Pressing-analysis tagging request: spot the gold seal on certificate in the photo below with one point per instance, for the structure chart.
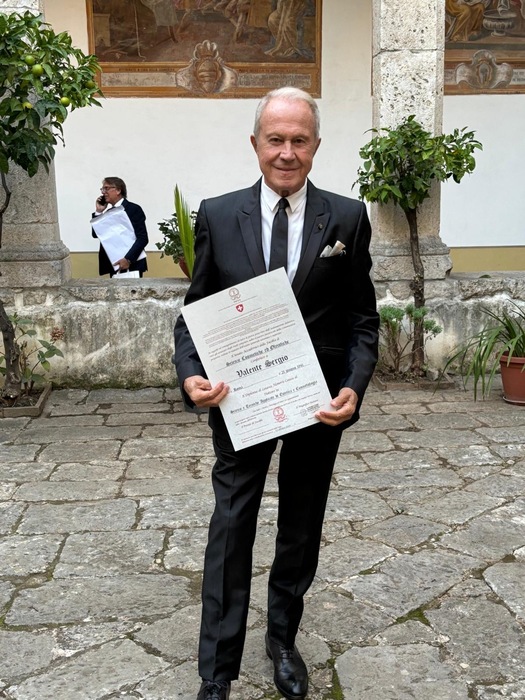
(253, 337)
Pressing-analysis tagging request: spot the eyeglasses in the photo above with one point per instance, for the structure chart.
(105, 189)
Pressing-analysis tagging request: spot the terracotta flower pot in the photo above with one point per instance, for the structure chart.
(513, 379)
(184, 267)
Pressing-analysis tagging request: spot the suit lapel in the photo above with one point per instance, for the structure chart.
(316, 220)
(249, 218)
(315, 226)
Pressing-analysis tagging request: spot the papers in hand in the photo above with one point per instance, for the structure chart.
(254, 338)
(116, 233)
(127, 275)
(329, 252)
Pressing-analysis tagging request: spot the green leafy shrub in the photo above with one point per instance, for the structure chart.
(41, 75)
(33, 353)
(396, 332)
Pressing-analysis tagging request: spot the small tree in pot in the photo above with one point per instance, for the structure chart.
(399, 166)
(41, 76)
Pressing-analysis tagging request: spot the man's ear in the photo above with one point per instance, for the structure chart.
(253, 142)
(317, 146)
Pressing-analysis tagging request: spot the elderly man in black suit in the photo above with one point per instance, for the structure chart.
(113, 194)
(234, 243)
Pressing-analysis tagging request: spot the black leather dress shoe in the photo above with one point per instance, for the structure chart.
(290, 674)
(214, 690)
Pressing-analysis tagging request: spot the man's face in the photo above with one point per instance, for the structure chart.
(286, 144)
(111, 193)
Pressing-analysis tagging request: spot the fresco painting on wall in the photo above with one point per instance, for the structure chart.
(484, 46)
(207, 48)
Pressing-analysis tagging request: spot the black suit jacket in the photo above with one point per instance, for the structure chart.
(138, 219)
(335, 295)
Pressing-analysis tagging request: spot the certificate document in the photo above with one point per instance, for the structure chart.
(254, 338)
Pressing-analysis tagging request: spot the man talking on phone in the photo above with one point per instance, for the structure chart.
(114, 194)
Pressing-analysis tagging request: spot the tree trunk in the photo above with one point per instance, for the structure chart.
(418, 290)
(13, 381)
(5, 204)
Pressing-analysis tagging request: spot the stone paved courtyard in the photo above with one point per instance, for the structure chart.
(420, 592)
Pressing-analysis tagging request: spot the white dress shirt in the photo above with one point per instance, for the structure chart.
(295, 211)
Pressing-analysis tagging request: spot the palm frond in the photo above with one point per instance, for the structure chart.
(186, 229)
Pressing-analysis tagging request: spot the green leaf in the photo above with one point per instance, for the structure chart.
(186, 227)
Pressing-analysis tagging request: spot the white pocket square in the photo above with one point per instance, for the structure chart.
(330, 252)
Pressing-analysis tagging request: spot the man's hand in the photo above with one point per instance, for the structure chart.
(123, 264)
(100, 205)
(202, 393)
(345, 404)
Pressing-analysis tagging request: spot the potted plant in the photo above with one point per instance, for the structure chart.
(400, 166)
(499, 345)
(41, 76)
(179, 234)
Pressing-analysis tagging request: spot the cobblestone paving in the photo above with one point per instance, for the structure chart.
(420, 592)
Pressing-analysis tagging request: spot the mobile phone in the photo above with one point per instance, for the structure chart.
(102, 200)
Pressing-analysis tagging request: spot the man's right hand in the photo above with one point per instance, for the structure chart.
(99, 206)
(202, 393)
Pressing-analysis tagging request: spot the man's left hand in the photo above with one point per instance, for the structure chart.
(344, 403)
(123, 264)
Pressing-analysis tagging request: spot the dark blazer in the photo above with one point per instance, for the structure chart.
(335, 295)
(138, 219)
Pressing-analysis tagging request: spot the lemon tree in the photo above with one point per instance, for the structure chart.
(43, 69)
(42, 78)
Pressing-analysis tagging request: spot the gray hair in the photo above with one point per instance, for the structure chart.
(292, 94)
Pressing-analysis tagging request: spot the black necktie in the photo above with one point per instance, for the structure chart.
(279, 244)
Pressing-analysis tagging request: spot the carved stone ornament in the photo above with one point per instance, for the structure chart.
(484, 73)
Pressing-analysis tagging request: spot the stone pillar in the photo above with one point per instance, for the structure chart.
(32, 254)
(9, 6)
(408, 69)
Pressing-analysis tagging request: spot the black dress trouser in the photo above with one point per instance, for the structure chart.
(305, 470)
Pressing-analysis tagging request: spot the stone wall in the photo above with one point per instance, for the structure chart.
(456, 304)
(121, 333)
(116, 333)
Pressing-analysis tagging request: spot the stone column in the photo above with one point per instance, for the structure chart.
(408, 68)
(32, 254)
(9, 6)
